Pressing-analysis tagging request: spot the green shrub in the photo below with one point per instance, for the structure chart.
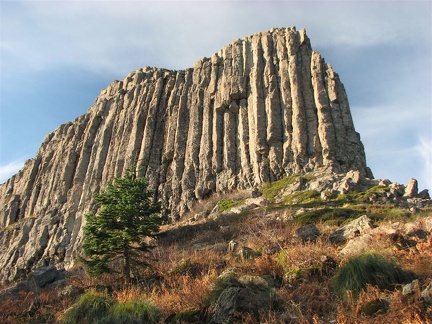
(368, 269)
(89, 308)
(132, 312)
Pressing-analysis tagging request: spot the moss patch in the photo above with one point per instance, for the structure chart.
(363, 196)
(331, 216)
(227, 204)
(272, 189)
(301, 197)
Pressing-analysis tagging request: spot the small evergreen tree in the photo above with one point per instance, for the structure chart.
(128, 216)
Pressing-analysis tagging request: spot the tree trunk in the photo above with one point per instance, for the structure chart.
(127, 267)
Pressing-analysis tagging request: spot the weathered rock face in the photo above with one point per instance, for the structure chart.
(262, 107)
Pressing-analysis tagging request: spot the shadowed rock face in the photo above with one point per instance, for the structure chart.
(264, 106)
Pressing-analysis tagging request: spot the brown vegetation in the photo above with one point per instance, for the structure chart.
(190, 255)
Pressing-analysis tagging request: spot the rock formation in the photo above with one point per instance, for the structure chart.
(263, 107)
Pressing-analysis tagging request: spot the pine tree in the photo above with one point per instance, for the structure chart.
(128, 216)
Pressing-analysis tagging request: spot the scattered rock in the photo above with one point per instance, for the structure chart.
(249, 203)
(308, 233)
(232, 246)
(248, 295)
(246, 253)
(397, 189)
(411, 189)
(256, 202)
(424, 194)
(44, 276)
(359, 226)
(410, 287)
(385, 182)
(350, 182)
(37, 280)
(356, 246)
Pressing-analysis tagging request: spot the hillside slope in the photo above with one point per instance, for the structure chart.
(272, 258)
(263, 107)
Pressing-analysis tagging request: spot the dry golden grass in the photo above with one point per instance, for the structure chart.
(181, 293)
(190, 256)
(43, 307)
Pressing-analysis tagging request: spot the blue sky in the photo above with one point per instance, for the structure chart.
(56, 57)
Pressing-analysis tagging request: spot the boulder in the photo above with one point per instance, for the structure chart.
(308, 233)
(359, 226)
(356, 246)
(411, 189)
(424, 194)
(39, 279)
(248, 295)
(410, 287)
(44, 276)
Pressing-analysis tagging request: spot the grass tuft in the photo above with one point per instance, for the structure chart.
(368, 269)
(132, 312)
(89, 307)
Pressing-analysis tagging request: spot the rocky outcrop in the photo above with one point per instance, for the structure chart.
(236, 297)
(264, 106)
(36, 281)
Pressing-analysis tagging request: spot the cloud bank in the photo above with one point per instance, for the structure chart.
(57, 56)
(8, 170)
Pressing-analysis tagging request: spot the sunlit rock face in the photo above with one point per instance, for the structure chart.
(263, 107)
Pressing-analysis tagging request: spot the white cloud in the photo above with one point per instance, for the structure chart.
(361, 24)
(117, 37)
(424, 152)
(397, 140)
(102, 34)
(8, 170)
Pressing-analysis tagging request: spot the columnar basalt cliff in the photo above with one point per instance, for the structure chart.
(263, 107)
